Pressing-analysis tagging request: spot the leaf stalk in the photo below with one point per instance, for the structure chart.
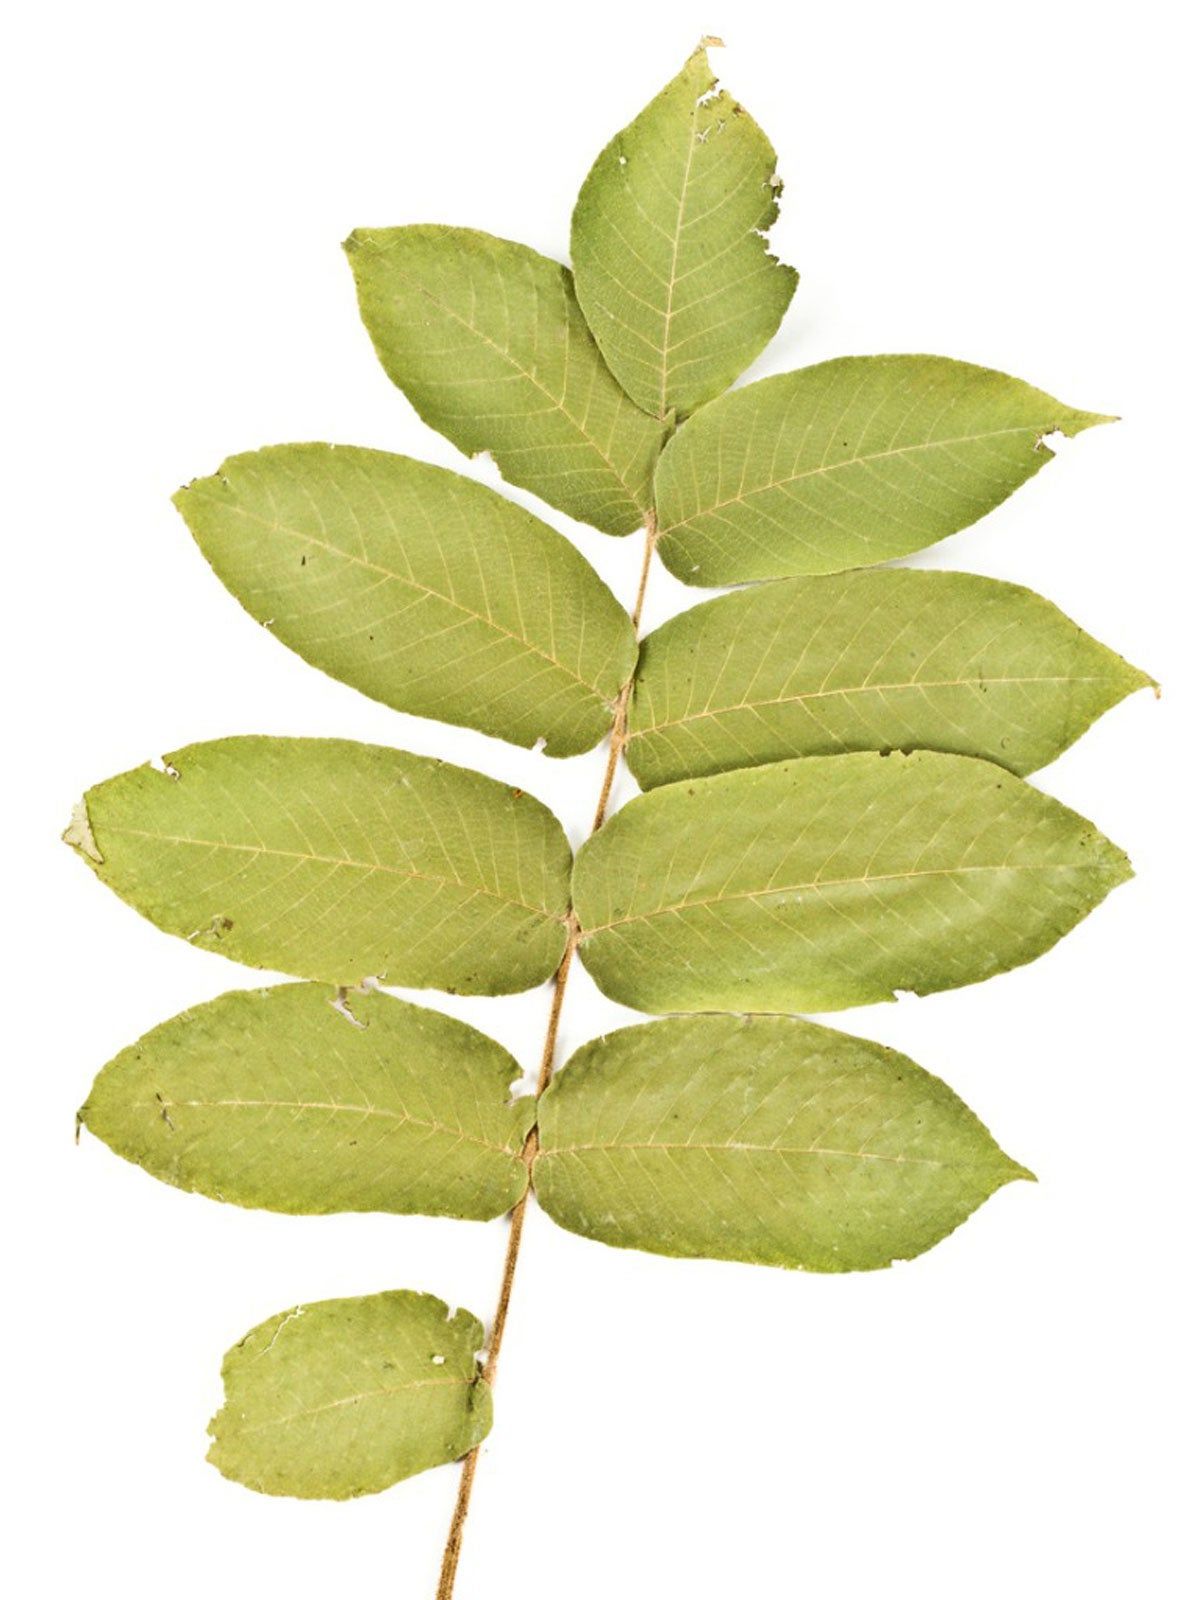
(516, 1225)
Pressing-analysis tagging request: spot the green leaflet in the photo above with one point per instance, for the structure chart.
(869, 660)
(346, 1397)
(847, 463)
(667, 240)
(337, 861)
(270, 1098)
(485, 338)
(832, 881)
(762, 1139)
(419, 587)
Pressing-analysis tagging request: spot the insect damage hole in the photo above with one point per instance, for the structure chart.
(341, 1004)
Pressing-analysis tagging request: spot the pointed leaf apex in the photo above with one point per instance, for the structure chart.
(1016, 1173)
(1082, 420)
(1070, 425)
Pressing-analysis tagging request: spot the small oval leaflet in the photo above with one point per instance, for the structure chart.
(337, 861)
(420, 587)
(848, 463)
(485, 338)
(671, 264)
(832, 881)
(886, 660)
(270, 1098)
(760, 1139)
(346, 1397)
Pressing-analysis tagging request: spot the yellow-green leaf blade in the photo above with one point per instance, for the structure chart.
(337, 861)
(346, 1397)
(273, 1099)
(761, 1139)
(420, 587)
(486, 339)
(871, 660)
(671, 266)
(832, 881)
(848, 463)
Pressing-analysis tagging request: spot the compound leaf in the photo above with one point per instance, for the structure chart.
(875, 660)
(421, 588)
(848, 463)
(346, 1397)
(337, 861)
(762, 1139)
(667, 240)
(487, 341)
(270, 1098)
(832, 881)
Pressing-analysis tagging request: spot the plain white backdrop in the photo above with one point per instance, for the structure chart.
(1010, 1414)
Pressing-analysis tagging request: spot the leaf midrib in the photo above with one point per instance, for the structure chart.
(333, 861)
(353, 1399)
(829, 883)
(402, 1117)
(741, 1148)
(672, 279)
(858, 688)
(856, 461)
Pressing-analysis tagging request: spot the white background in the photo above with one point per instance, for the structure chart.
(1009, 1414)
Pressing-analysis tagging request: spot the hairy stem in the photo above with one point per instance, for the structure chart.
(516, 1223)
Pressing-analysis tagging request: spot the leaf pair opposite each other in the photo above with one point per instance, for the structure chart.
(337, 861)
(766, 1140)
(832, 881)
(869, 660)
(811, 884)
(759, 1139)
(420, 587)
